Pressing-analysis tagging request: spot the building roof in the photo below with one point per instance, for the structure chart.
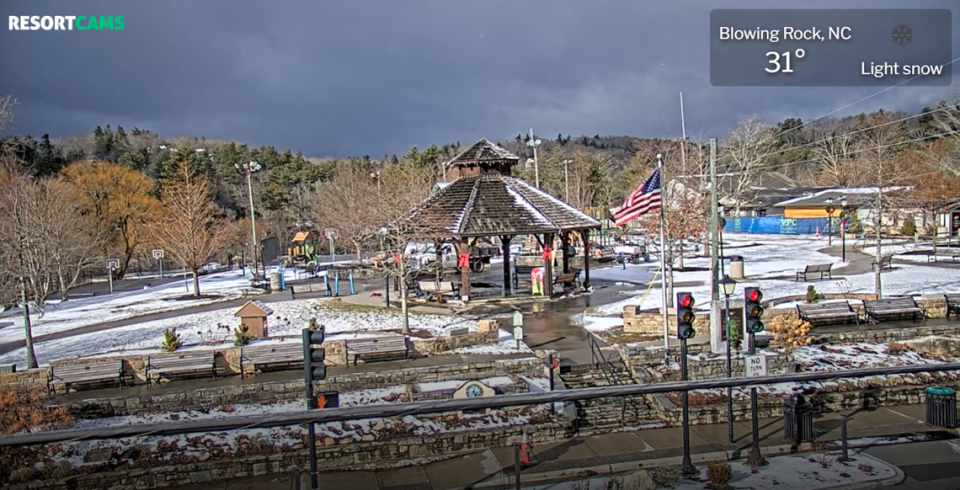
(253, 308)
(491, 205)
(858, 196)
(483, 152)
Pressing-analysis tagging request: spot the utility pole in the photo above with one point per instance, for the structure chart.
(714, 224)
(534, 143)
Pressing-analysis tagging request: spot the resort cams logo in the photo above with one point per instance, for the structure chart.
(65, 23)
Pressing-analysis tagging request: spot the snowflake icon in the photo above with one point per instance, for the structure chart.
(902, 35)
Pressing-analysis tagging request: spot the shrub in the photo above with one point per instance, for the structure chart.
(241, 336)
(312, 324)
(171, 340)
(896, 348)
(812, 294)
(864, 467)
(736, 334)
(909, 227)
(719, 473)
(667, 476)
(789, 332)
(855, 225)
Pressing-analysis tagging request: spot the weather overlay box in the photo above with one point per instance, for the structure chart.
(836, 48)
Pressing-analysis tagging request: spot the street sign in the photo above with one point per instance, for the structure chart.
(756, 366)
(158, 253)
(330, 233)
(517, 319)
(113, 264)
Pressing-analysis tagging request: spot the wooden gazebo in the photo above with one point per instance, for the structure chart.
(486, 201)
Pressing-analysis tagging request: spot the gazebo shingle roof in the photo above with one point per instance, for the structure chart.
(483, 152)
(492, 205)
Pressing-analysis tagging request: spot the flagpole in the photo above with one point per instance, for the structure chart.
(663, 262)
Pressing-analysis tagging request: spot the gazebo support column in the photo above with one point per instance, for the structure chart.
(548, 239)
(565, 238)
(463, 252)
(586, 258)
(505, 251)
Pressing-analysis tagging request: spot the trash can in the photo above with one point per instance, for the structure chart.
(275, 283)
(941, 407)
(736, 266)
(798, 419)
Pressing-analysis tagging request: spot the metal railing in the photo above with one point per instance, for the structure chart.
(453, 405)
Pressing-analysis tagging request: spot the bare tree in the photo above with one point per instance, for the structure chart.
(74, 242)
(13, 229)
(349, 202)
(745, 155)
(6, 110)
(190, 229)
(835, 154)
(397, 266)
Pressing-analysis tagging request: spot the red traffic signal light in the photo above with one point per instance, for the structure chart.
(755, 295)
(686, 301)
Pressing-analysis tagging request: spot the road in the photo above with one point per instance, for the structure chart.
(931, 465)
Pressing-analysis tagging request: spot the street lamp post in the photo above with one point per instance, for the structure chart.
(843, 227)
(249, 169)
(534, 143)
(727, 287)
(830, 209)
(566, 180)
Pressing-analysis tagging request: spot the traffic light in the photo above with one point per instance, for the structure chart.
(685, 316)
(313, 356)
(753, 310)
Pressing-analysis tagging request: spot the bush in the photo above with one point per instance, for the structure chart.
(909, 227)
(736, 334)
(22, 410)
(789, 332)
(812, 294)
(855, 226)
(667, 476)
(896, 348)
(171, 340)
(719, 473)
(241, 336)
(312, 324)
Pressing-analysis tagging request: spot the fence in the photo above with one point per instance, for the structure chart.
(778, 225)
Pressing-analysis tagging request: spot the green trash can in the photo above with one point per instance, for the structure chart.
(941, 403)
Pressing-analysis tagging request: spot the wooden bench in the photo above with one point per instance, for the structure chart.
(445, 288)
(88, 375)
(414, 287)
(181, 365)
(945, 253)
(819, 269)
(828, 313)
(886, 262)
(273, 357)
(570, 279)
(377, 348)
(892, 309)
(953, 304)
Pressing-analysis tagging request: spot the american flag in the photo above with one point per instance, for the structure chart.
(643, 200)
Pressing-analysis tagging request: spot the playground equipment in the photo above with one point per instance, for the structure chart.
(303, 251)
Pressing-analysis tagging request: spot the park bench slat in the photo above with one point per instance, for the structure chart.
(377, 347)
(891, 308)
(91, 373)
(272, 356)
(182, 364)
(819, 269)
(828, 313)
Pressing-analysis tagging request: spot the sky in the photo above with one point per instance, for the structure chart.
(364, 77)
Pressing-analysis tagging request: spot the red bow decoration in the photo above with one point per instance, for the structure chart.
(547, 253)
(464, 260)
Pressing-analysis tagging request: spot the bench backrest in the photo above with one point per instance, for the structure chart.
(890, 303)
(88, 371)
(441, 286)
(391, 343)
(841, 306)
(817, 268)
(184, 359)
(268, 351)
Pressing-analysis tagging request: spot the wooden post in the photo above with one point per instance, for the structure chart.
(565, 238)
(463, 248)
(586, 258)
(505, 251)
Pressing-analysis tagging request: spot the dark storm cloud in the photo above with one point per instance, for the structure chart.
(368, 77)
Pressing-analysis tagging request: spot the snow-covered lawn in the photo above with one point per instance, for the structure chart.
(214, 329)
(770, 262)
(81, 312)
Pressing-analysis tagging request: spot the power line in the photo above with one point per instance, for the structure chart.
(441, 406)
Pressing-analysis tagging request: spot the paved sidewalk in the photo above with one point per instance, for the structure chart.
(604, 454)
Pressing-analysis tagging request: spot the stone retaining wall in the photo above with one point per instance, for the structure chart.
(29, 380)
(651, 321)
(207, 398)
(353, 456)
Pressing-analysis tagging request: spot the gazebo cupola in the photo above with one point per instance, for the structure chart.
(483, 158)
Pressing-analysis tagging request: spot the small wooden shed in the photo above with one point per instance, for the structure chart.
(254, 315)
